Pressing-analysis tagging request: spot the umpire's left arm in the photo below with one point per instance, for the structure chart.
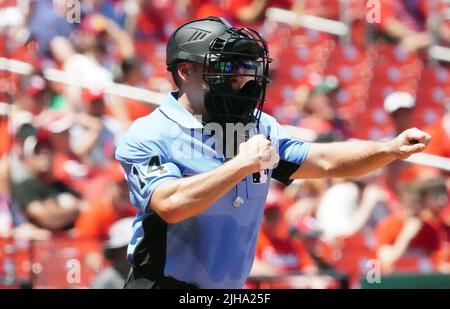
(356, 158)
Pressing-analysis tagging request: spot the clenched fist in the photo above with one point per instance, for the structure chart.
(258, 153)
(409, 142)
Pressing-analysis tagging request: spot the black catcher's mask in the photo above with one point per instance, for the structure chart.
(237, 52)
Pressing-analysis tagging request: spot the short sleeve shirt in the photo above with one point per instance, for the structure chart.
(216, 248)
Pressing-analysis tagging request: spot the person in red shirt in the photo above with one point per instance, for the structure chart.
(440, 131)
(283, 252)
(251, 12)
(320, 111)
(201, 8)
(5, 138)
(128, 110)
(96, 220)
(417, 230)
(67, 165)
(405, 21)
(277, 253)
(150, 22)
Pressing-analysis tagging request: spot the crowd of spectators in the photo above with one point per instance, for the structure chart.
(58, 176)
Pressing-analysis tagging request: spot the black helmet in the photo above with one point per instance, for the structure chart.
(191, 41)
(226, 52)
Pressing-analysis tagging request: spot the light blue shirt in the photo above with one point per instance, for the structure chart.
(216, 248)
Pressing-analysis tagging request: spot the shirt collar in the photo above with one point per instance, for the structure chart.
(175, 111)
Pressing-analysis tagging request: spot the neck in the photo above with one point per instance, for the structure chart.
(195, 107)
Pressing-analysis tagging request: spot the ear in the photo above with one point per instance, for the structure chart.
(185, 70)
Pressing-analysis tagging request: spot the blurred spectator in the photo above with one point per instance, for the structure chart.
(101, 43)
(13, 223)
(124, 109)
(6, 223)
(112, 9)
(47, 19)
(440, 144)
(250, 12)
(417, 230)
(67, 166)
(115, 250)
(45, 201)
(149, 23)
(400, 106)
(131, 70)
(101, 38)
(205, 8)
(405, 22)
(36, 95)
(347, 207)
(306, 196)
(95, 221)
(276, 252)
(98, 131)
(286, 254)
(17, 156)
(81, 68)
(320, 110)
(114, 204)
(21, 162)
(5, 135)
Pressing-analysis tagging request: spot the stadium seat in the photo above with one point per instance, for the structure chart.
(62, 262)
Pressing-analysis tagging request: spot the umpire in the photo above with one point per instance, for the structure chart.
(198, 167)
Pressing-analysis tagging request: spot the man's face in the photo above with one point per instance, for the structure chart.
(402, 119)
(236, 86)
(237, 67)
(320, 106)
(199, 86)
(121, 198)
(436, 200)
(97, 108)
(60, 141)
(194, 85)
(41, 161)
(236, 82)
(272, 217)
(222, 92)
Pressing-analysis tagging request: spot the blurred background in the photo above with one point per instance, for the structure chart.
(75, 74)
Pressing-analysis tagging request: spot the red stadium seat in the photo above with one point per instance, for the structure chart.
(387, 53)
(426, 115)
(396, 75)
(374, 124)
(15, 263)
(347, 54)
(435, 76)
(412, 264)
(324, 8)
(62, 262)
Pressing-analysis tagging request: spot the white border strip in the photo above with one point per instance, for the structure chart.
(439, 53)
(430, 160)
(308, 21)
(150, 97)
